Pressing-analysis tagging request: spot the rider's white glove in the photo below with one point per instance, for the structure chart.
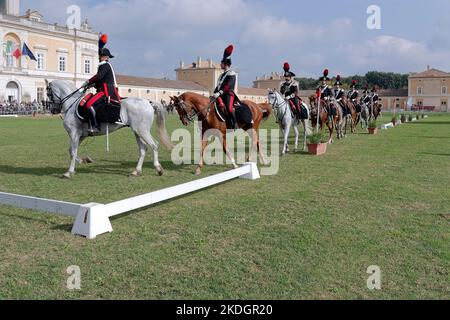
(85, 84)
(216, 95)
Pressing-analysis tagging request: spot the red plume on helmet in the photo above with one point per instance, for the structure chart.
(354, 83)
(325, 73)
(103, 40)
(287, 67)
(338, 78)
(228, 51)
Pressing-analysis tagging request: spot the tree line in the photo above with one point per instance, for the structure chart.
(382, 80)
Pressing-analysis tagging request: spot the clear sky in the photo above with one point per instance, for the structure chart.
(151, 37)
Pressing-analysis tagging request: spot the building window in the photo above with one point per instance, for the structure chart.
(148, 91)
(40, 94)
(444, 90)
(444, 103)
(40, 63)
(129, 90)
(419, 90)
(87, 66)
(62, 63)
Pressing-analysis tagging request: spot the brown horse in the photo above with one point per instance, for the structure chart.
(190, 105)
(377, 110)
(326, 118)
(353, 117)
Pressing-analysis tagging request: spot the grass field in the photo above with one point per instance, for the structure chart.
(309, 232)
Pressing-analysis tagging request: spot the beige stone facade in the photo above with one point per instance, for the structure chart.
(274, 81)
(62, 53)
(203, 72)
(430, 90)
(156, 89)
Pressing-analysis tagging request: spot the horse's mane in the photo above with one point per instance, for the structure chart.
(65, 85)
(195, 98)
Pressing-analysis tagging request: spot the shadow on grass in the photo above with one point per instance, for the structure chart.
(113, 168)
(430, 122)
(430, 137)
(434, 154)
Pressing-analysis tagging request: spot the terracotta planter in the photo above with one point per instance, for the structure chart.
(373, 130)
(317, 149)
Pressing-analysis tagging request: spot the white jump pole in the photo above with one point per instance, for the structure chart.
(92, 219)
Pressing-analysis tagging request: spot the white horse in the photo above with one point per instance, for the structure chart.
(138, 114)
(287, 119)
(365, 116)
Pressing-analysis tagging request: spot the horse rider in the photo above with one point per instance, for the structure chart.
(324, 89)
(224, 94)
(365, 99)
(106, 86)
(374, 96)
(339, 94)
(353, 94)
(290, 90)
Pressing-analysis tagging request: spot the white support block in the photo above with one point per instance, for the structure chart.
(92, 221)
(414, 119)
(425, 117)
(254, 172)
(387, 126)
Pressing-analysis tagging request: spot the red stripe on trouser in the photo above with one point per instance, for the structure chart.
(94, 99)
(85, 99)
(117, 94)
(231, 104)
(105, 86)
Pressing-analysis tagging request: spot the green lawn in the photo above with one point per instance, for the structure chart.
(309, 232)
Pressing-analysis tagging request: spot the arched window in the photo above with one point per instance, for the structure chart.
(13, 50)
(12, 92)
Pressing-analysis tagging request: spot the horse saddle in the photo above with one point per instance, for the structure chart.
(243, 114)
(106, 112)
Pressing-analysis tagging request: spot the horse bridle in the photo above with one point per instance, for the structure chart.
(57, 106)
(278, 105)
(189, 117)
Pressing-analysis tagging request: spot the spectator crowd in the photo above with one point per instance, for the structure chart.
(24, 109)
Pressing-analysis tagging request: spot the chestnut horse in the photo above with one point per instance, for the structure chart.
(353, 117)
(326, 118)
(376, 111)
(190, 105)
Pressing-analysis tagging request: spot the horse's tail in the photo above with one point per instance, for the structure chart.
(162, 129)
(308, 127)
(267, 110)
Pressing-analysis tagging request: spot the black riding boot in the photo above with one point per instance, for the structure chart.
(234, 124)
(93, 125)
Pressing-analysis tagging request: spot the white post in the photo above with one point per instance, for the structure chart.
(318, 111)
(107, 137)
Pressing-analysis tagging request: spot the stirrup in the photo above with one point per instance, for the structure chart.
(120, 122)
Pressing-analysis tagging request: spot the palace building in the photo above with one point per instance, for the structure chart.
(60, 52)
(430, 90)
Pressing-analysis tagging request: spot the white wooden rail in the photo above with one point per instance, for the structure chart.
(92, 219)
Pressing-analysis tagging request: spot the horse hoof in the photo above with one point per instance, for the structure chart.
(136, 174)
(67, 176)
(235, 166)
(88, 160)
(160, 171)
(198, 171)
